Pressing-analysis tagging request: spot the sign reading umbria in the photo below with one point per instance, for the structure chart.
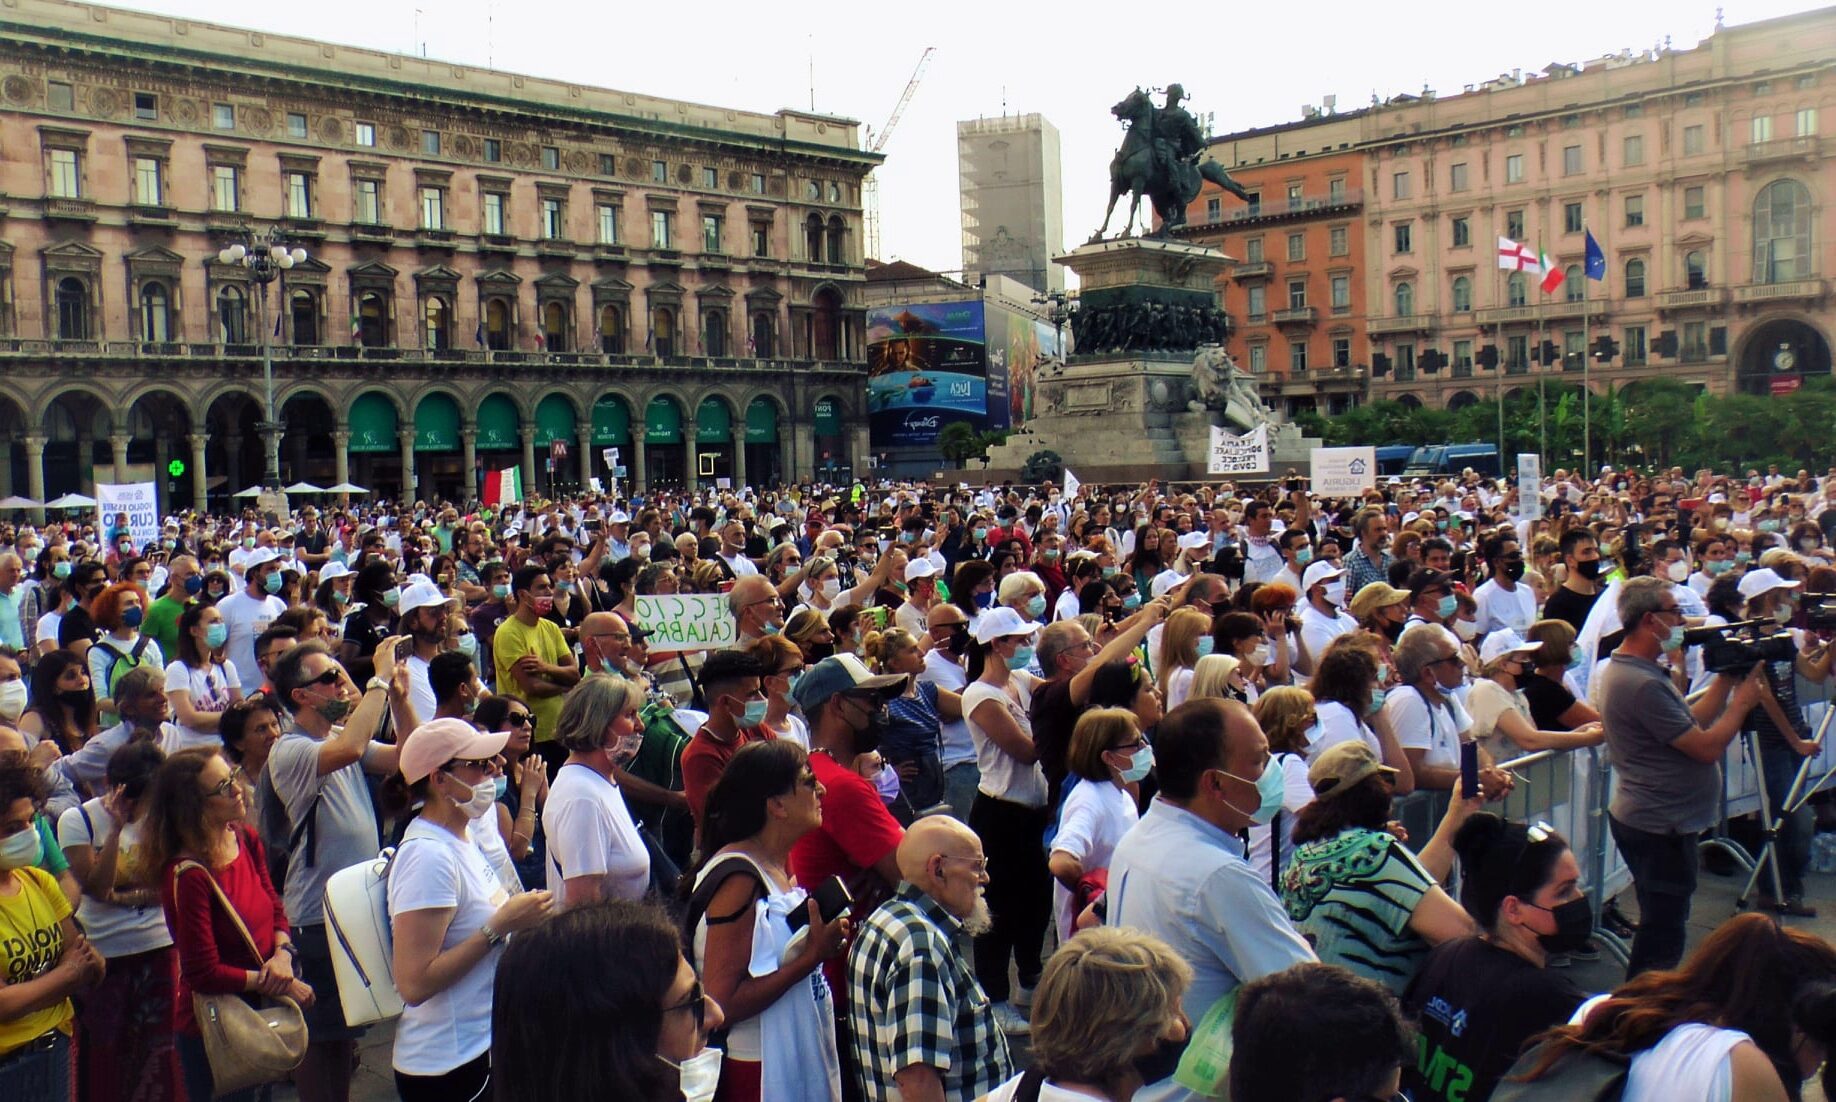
(687, 621)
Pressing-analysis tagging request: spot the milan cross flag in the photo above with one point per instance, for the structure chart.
(1514, 257)
(504, 487)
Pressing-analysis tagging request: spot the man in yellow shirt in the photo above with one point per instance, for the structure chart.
(533, 660)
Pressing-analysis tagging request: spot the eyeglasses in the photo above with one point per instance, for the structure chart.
(225, 786)
(485, 765)
(696, 1004)
(1444, 661)
(1129, 747)
(808, 780)
(977, 865)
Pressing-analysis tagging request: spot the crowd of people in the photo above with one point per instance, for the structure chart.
(1114, 771)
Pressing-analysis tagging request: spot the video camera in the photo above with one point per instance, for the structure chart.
(1736, 648)
(1820, 611)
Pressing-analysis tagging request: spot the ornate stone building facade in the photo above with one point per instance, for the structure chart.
(502, 270)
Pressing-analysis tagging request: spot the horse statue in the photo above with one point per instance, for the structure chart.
(1160, 158)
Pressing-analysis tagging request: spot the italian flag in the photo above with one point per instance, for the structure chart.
(504, 487)
(1552, 275)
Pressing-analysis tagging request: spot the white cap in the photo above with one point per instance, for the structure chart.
(1320, 570)
(618, 517)
(261, 556)
(333, 569)
(1163, 583)
(1502, 642)
(1755, 582)
(1192, 541)
(422, 594)
(1001, 621)
(920, 568)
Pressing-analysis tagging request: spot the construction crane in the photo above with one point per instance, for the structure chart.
(877, 141)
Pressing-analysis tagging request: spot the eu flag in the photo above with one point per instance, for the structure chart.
(1596, 259)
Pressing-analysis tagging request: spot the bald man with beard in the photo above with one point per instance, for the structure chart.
(920, 1021)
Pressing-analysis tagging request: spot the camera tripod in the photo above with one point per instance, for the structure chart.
(1772, 818)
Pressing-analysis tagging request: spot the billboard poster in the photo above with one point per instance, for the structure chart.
(1017, 344)
(927, 365)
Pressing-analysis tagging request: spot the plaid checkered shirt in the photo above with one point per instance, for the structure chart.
(1360, 571)
(913, 999)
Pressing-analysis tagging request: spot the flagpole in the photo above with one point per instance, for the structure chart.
(1587, 368)
(1542, 334)
(1498, 369)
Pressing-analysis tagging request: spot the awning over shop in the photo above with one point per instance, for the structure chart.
(663, 421)
(611, 421)
(496, 425)
(713, 422)
(373, 424)
(436, 424)
(761, 422)
(555, 420)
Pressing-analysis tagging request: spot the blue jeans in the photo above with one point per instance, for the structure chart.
(1780, 765)
(1663, 870)
(960, 783)
(38, 1071)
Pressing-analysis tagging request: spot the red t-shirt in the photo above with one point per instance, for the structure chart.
(856, 832)
(704, 759)
(213, 957)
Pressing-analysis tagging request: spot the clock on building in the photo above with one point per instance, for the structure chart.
(1784, 359)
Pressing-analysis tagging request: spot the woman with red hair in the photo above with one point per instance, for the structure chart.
(118, 612)
(1273, 603)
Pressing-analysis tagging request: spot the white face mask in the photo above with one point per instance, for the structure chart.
(700, 1075)
(1335, 594)
(1677, 571)
(483, 798)
(12, 700)
(831, 588)
(1466, 629)
(19, 850)
(1259, 656)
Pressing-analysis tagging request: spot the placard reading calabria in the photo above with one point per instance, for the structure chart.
(687, 621)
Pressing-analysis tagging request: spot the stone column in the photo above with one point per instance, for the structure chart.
(691, 478)
(863, 450)
(468, 450)
(739, 455)
(341, 454)
(85, 457)
(640, 479)
(530, 485)
(35, 471)
(406, 437)
(118, 443)
(584, 430)
(232, 449)
(200, 481)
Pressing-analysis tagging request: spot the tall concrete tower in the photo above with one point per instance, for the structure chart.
(1013, 221)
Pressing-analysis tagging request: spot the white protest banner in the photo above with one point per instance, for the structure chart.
(1072, 485)
(687, 621)
(1529, 486)
(1343, 472)
(139, 500)
(1246, 454)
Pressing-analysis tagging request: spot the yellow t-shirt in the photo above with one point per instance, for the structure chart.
(31, 941)
(545, 641)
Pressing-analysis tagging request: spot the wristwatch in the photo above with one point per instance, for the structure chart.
(492, 937)
(376, 683)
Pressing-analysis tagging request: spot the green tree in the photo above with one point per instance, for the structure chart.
(959, 442)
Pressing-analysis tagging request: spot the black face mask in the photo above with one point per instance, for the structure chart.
(959, 639)
(1514, 570)
(76, 698)
(1589, 570)
(1391, 631)
(820, 651)
(1162, 1062)
(1574, 925)
(867, 739)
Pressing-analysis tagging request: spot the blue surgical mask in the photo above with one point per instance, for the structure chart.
(500, 785)
(983, 600)
(215, 635)
(1377, 697)
(132, 618)
(1132, 601)
(392, 596)
(468, 645)
(1742, 558)
(1140, 763)
(1447, 606)
(755, 713)
(272, 583)
(1270, 788)
(1035, 606)
(1674, 639)
(1303, 556)
(1109, 571)
(1205, 645)
(1021, 658)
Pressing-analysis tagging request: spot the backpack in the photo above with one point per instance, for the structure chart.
(119, 664)
(1583, 1075)
(363, 941)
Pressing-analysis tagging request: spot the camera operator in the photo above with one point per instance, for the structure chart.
(1665, 754)
(1784, 735)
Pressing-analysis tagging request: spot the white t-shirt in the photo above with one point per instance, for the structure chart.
(1095, 816)
(1179, 687)
(1498, 608)
(1488, 701)
(1296, 793)
(1318, 630)
(1336, 725)
(739, 564)
(117, 931)
(420, 689)
(1694, 1061)
(433, 870)
(46, 631)
(210, 692)
(1003, 777)
(1010, 1090)
(958, 744)
(1420, 727)
(1067, 606)
(910, 617)
(590, 832)
(795, 730)
(246, 618)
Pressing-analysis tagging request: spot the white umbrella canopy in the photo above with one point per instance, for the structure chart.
(346, 488)
(71, 501)
(303, 488)
(17, 502)
(252, 491)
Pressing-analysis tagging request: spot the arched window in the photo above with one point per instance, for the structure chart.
(1517, 289)
(436, 324)
(155, 313)
(1462, 295)
(838, 241)
(1635, 278)
(825, 326)
(714, 333)
(554, 326)
(1573, 290)
(663, 332)
(304, 309)
(812, 239)
(232, 316)
(1782, 233)
(761, 335)
(1405, 299)
(72, 310)
(1695, 270)
(497, 325)
(372, 320)
(611, 330)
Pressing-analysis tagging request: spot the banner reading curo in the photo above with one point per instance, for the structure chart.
(139, 500)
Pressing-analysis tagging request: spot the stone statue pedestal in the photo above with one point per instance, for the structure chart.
(1124, 415)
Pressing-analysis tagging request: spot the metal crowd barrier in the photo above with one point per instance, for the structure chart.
(1568, 789)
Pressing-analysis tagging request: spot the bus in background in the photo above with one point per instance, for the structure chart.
(1451, 459)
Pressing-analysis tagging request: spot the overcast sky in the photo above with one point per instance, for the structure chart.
(1252, 64)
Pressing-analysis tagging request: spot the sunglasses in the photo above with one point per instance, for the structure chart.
(329, 677)
(696, 1003)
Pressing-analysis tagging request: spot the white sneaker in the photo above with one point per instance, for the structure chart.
(1010, 1020)
(1023, 997)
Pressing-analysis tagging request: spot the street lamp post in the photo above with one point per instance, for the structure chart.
(1060, 305)
(265, 257)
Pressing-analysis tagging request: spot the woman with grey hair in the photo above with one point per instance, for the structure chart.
(595, 850)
